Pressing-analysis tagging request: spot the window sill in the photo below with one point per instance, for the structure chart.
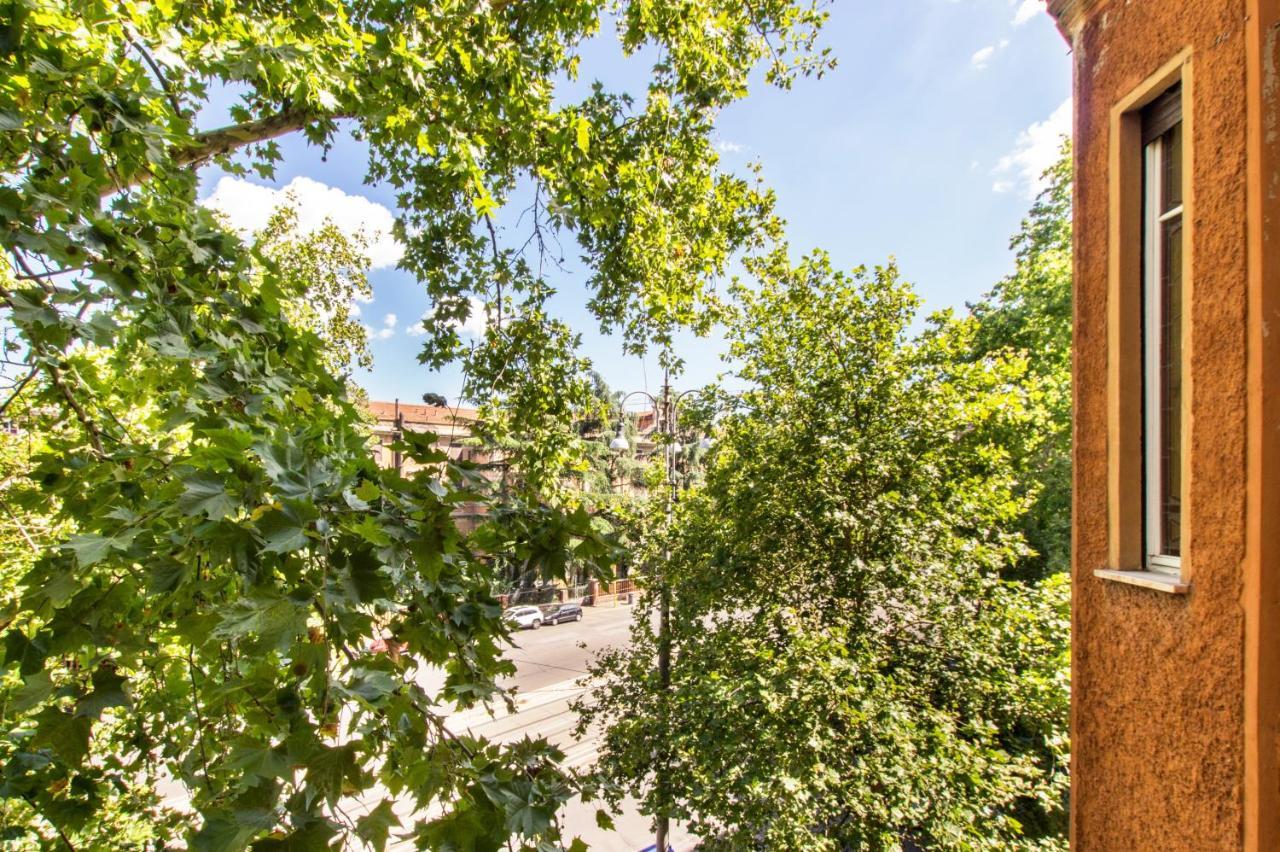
(1154, 580)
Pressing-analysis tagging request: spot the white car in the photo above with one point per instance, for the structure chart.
(524, 616)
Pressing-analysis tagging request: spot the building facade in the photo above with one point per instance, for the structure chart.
(451, 426)
(1176, 524)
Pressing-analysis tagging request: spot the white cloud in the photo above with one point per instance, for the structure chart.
(981, 57)
(1036, 149)
(248, 206)
(473, 326)
(384, 333)
(1027, 10)
(354, 309)
(727, 147)
(387, 331)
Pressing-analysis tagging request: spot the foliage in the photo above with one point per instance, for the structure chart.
(334, 265)
(850, 669)
(219, 547)
(1028, 314)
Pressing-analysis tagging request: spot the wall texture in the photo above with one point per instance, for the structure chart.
(1159, 680)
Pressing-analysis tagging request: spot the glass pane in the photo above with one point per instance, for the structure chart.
(1171, 386)
(1171, 169)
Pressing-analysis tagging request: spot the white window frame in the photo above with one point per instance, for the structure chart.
(1153, 269)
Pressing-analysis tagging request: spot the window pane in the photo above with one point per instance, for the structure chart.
(1171, 386)
(1162, 338)
(1171, 169)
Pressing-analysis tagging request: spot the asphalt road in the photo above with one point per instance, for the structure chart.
(555, 653)
(551, 664)
(551, 668)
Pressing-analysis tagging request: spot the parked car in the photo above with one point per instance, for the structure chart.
(557, 613)
(524, 616)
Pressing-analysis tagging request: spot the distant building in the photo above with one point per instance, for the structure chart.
(1175, 730)
(452, 427)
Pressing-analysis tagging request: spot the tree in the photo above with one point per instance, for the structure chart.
(1028, 315)
(434, 399)
(220, 546)
(851, 670)
(335, 268)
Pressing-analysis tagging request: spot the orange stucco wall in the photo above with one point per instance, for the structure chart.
(1165, 686)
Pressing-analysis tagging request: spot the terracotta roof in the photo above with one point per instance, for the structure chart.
(386, 412)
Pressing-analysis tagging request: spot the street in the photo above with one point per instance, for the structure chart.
(551, 654)
(550, 664)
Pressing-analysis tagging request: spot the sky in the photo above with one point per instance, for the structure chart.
(925, 144)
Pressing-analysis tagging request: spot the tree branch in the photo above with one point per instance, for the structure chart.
(90, 426)
(224, 140)
(17, 389)
(195, 701)
(155, 69)
(206, 145)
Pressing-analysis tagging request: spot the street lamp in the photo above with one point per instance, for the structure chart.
(665, 410)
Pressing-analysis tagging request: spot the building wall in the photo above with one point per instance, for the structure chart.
(1161, 759)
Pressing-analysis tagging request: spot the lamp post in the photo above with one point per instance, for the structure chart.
(666, 408)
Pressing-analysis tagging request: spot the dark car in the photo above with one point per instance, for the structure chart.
(562, 612)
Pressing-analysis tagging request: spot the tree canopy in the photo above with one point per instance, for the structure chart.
(866, 652)
(215, 547)
(1028, 315)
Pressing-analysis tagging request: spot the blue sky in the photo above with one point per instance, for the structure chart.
(921, 145)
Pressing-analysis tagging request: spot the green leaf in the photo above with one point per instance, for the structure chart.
(206, 494)
(374, 827)
(473, 826)
(583, 135)
(257, 760)
(369, 529)
(222, 832)
(372, 685)
(294, 474)
(91, 548)
(329, 771)
(108, 691)
(29, 307)
(67, 735)
(273, 619)
(284, 530)
(422, 447)
(35, 689)
(166, 575)
(27, 654)
(368, 491)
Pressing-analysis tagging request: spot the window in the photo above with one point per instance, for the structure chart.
(1149, 290)
(1162, 344)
